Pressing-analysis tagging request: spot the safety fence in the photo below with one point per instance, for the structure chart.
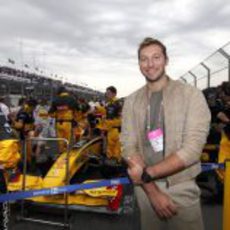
(212, 71)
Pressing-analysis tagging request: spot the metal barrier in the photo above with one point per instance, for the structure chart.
(22, 216)
(212, 71)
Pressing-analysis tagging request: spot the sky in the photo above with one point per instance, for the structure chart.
(94, 43)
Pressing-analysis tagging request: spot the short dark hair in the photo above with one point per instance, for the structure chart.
(112, 89)
(152, 41)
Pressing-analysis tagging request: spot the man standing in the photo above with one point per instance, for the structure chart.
(164, 128)
(63, 109)
(112, 124)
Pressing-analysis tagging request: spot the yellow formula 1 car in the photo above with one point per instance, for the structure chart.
(86, 164)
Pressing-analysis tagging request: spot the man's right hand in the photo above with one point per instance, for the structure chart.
(163, 205)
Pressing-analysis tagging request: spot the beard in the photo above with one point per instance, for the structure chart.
(159, 76)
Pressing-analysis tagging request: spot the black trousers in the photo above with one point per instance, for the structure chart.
(4, 207)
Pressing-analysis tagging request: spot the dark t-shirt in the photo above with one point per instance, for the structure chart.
(65, 102)
(26, 119)
(156, 121)
(113, 110)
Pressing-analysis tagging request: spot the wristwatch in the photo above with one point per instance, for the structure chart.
(145, 177)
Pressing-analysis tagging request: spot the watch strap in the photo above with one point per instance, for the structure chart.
(146, 177)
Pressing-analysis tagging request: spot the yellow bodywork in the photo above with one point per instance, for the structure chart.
(57, 177)
(223, 155)
(31, 183)
(9, 153)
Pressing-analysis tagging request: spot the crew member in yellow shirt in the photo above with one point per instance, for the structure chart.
(112, 124)
(63, 109)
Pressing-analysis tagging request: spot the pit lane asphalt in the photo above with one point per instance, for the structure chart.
(212, 214)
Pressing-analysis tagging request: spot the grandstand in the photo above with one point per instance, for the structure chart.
(16, 83)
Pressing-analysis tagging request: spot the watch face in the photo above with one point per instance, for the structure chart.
(146, 178)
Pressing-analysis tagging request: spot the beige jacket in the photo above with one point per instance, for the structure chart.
(186, 117)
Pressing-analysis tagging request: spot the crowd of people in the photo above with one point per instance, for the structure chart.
(67, 118)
